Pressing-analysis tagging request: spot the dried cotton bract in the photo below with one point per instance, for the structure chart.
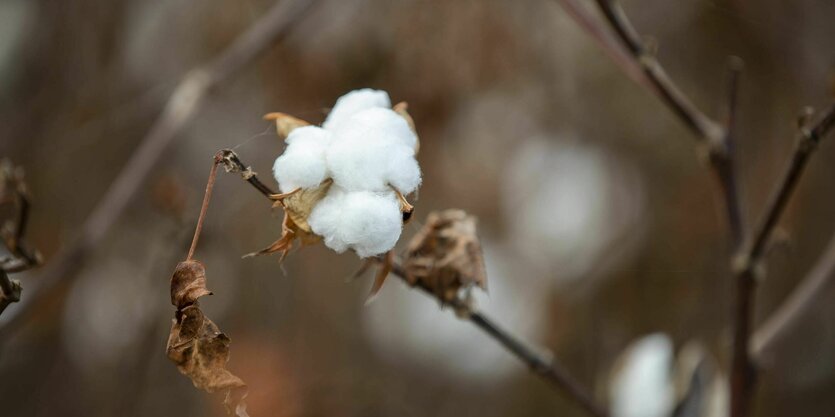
(345, 182)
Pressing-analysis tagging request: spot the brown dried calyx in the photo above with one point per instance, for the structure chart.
(196, 344)
(445, 257)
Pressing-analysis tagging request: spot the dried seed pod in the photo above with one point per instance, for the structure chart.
(445, 256)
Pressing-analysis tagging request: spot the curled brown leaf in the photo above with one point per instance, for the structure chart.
(188, 283)
(196, 345)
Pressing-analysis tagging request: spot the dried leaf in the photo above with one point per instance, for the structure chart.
(196, 345)
(188, 283)
(284, 123)
(445, 256)
(297, 207)
(382, 274)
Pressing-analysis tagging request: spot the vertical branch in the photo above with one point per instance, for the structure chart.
(724, 167)
(720, 143)
(210, 184)
(747, 263)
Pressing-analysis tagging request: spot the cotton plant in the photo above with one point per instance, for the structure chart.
(345, 182)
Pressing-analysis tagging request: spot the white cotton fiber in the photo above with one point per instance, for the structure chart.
(644, 387)
(388, 121)
(303, 163)
(371, 156)
(354, 102)
(367, 222)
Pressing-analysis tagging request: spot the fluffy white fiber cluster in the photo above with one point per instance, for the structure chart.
(366, 148)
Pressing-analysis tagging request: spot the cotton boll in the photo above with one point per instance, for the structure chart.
(643, 387)
(303, 163)
(387, 120)
(368, 222)
(309, 135)
(367, 158)
(403, 170)
(354, 102)
(326, 218)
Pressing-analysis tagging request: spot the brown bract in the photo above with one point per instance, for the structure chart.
(445, 256)
(196, 344)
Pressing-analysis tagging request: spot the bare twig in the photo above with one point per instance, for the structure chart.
(549, 369)
(720, 145)
(807, 294)
(746, 264)
(210, 185)
(184, 102)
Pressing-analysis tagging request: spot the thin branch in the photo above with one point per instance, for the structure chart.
(807, 294)
(632, 54)
(747, 263)
(549, 369)
(704, 127)
(207, 196)
(724, 166)
(183, 104)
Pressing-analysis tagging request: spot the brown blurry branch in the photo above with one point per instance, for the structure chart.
(719, 141)
(549, 369)
(808, 294)
(13, 190)
(182, 105)
(747, 265)
(639, 62)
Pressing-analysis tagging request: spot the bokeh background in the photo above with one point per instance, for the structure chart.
(600, 223)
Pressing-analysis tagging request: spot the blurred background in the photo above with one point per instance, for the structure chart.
(600, 223)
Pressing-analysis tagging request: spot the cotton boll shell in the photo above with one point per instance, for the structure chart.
(368, 222)
(354, 102)
(303, 163)
(368, 158)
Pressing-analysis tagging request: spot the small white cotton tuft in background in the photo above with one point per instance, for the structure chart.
(369, 151)
(643, 385)
(354, 102)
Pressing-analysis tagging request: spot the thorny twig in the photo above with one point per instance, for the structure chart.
(183, 104)
(13, 190)
(549, 369)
